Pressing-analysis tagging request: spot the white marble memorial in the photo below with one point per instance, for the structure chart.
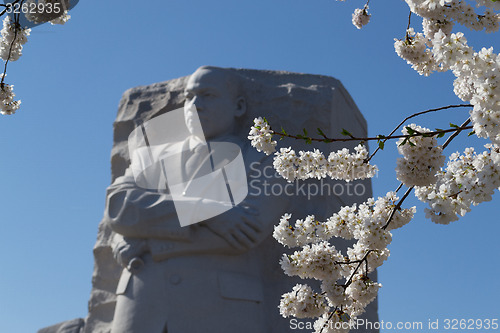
(221, 274)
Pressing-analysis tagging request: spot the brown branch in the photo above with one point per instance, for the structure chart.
(16, 28)
(459, 129)
(416, 115)
(326, 323)
(397, 207)
(357, 268)
(407, 37)
(353, 138)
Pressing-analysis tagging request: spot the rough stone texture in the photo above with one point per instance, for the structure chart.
(289, 100)
(70, 326)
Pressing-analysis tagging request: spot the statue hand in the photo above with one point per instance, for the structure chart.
(240, 227)
(128, 249)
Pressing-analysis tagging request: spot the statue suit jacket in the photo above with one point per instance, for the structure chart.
(211, 286)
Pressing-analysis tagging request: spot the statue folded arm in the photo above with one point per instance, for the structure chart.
(136, 213)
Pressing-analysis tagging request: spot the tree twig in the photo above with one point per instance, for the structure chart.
(460, 129)
(397, 207)
(16, 28)
(416, 115)
(353, 138)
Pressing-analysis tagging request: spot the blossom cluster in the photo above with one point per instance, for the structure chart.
(7, 104)
(61, 19)
(414, 50)
(302, 302)
(468, 179)
(11, 45)
(360, 17)
(422, 158)
(369, 224)
(261, 136)
(457, 11)
(438, 49)
(12, 40)
(477, 80)
(340, 164)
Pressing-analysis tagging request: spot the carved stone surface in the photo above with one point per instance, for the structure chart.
(70, 326)
(289, 100)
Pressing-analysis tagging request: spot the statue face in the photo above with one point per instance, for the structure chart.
(216, 104)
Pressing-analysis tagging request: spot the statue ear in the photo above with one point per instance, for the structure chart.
(241, 106)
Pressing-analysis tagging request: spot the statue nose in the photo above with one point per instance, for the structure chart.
(197, 101)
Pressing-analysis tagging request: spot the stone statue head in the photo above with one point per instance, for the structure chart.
(217, 95)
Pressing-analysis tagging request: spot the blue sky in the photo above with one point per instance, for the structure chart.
(55, 151)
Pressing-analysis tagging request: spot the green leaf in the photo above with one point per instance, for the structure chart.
(410, 130)
(407, 141)
(439, 135)
(346, 133)
(454, 126)
(320, 132)
(344, 317)
(471, 133)
(305, 132)
(381, 145)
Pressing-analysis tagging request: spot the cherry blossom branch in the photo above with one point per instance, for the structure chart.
(436, 49)
(408, 191)
(453, 136)
(353, 138)
(16, 24)
(13, 36)
(394, 210)
(398, 206)
(409, 23)
(360, 262)
(415, 115)
(326, 322)
(357, 268)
